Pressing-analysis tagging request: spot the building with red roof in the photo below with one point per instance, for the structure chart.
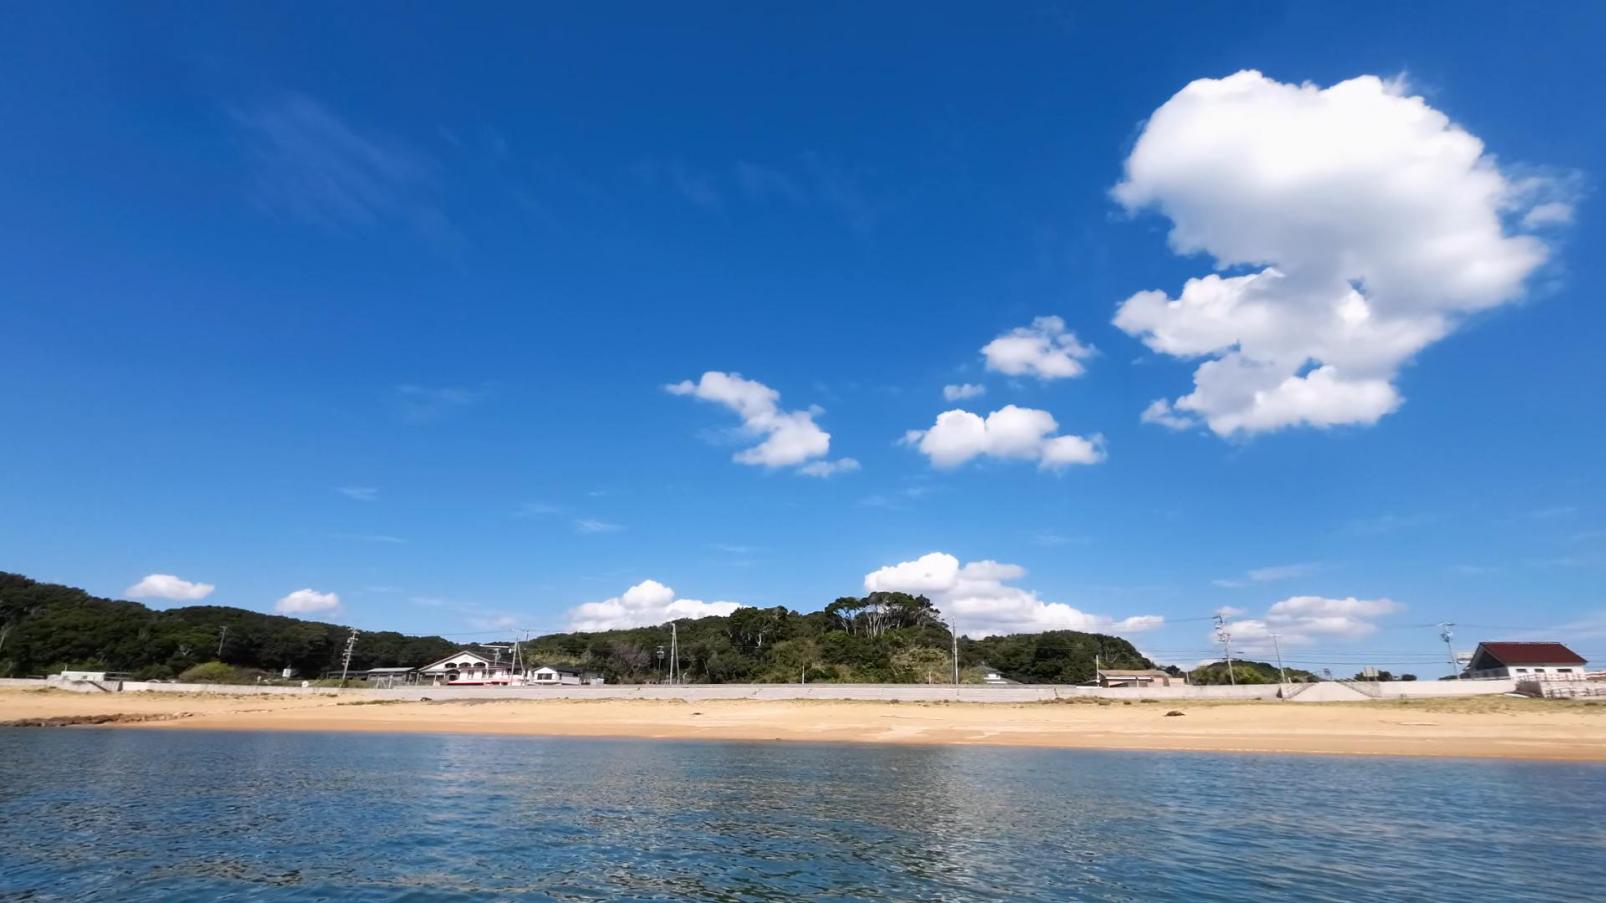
(1516, 659)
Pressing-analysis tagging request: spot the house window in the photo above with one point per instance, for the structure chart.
(1564, 670)
(1522, 670)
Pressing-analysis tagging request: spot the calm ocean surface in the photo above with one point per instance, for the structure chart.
(190, 815)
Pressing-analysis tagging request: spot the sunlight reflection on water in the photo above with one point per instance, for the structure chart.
(191, 815)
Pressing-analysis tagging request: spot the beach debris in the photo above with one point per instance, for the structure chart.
(75, 720)
(1175, 714)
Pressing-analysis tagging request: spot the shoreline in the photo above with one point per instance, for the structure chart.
(1480, 728)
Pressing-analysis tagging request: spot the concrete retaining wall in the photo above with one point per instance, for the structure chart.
(1420, 689)
(1322, 692)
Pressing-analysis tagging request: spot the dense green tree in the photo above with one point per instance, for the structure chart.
(1246, 672)
(881, 637)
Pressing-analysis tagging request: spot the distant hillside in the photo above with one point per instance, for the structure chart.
(880, 638)
(47, 627)
(1246, 672)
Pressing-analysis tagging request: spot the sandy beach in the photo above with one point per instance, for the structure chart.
(1499, 727)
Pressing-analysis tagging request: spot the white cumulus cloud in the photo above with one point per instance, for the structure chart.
(1027, 434)
(981, 598)
(306, 601)
(791, 438)
(1045, 349)
(1370, 223)
(1301, 620)
(648, 602)
(167, 586)
(963, 391)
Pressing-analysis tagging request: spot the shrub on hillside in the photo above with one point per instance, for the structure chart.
(211, 673)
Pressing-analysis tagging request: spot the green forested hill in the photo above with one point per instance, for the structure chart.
(48, 627)
(883, 637)
(1246, 672)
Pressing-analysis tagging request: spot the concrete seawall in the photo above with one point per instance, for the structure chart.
(1323, 692)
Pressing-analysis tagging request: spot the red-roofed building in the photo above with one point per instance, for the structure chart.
(1524, 660)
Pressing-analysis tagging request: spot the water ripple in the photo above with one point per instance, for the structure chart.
(185, 815)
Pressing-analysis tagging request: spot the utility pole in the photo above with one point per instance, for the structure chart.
(1447, 633)
(674, 654)
(953, 634)
(222, 635)
(1225, 639)
(345, 659)
(1282, 673)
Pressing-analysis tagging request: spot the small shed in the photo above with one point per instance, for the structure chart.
(1149, 677)
(386, 678)
(555, 675)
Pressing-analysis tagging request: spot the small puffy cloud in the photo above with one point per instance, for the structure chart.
(1301, 620)
(963, 391)
(981, 598)
(829, 468)
(648, 602)
(1045, 349)
(1159, 412)
(1010, 432)
(1551, 213)
(167, 586)
(790, 438)
(1371, 224)
(306, 601)
(359, 493)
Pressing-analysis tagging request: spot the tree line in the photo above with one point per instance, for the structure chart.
(878, 638)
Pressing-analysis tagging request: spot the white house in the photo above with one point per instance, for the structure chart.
(555, 676)
(469, 669)
(1521, 660)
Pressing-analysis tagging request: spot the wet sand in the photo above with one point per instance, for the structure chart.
(1486, 727)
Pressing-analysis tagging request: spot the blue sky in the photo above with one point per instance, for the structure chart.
(384, 307)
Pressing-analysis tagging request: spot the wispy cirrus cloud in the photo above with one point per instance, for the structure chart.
(380, 538)
(359, 493)
(421, 404)
(587, 526)
(537, 509)
(804, 182)
(310, 163)
(1270, 574)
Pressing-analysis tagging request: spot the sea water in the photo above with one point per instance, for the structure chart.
(121, 814)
